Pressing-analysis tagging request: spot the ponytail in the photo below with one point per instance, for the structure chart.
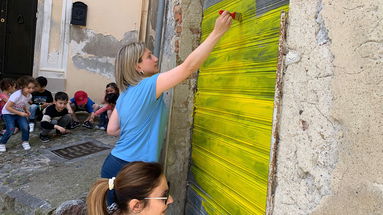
(136, 180)
(97, 197)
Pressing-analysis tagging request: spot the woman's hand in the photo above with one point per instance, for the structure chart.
(222, 24)
(167, 80)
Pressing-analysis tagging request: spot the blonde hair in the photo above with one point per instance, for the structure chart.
(125, 67)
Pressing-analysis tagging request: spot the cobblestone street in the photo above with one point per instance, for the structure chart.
(38, 181)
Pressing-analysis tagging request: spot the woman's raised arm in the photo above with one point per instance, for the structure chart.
(175, 76)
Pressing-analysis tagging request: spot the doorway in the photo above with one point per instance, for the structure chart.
(17, 37)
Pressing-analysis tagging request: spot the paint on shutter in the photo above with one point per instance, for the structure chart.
(233, 113)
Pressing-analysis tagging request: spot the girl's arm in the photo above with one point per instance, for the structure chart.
(9, 107)
(175, 76)
(114, 124)
(26, 110)
(5, 99)
(102, 110)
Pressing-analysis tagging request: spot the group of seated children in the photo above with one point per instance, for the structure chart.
(28, 100)
(81, 102)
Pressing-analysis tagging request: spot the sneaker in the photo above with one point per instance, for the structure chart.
(31, 127)
(100, 127)
(26, 145)
(74, 124)
(3, 148)
(87, 124)
(44, 138)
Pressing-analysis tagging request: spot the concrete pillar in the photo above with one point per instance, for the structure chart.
(331, 150)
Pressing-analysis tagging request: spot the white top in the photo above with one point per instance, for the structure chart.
(20, 102)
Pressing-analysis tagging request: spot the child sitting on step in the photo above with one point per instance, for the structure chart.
(110, 103)
(56, 116)
(7, 86)
(16, 111)
(81, 102)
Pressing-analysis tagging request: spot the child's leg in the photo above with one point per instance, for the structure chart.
(103, 117)
(33, 109)
(2, 130)
(9, 120)
(24, 127)
(74, 117)
(65, 121)
(89, 118)
(45, 132)
(109, 113)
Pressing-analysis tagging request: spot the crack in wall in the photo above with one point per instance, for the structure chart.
(322, 34)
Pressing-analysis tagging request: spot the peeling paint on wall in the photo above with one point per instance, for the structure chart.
(103, 66)
(96, 52)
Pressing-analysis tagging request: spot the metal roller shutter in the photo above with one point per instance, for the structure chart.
(233, 112)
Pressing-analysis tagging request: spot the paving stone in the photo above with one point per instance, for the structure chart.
(38, 181)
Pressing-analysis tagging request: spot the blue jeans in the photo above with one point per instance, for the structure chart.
(104, 120)
(10, 122)
(111, 167)
(34, 109)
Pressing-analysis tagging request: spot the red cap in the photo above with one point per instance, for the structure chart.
(81, 97)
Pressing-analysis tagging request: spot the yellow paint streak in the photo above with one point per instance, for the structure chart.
(233, 111)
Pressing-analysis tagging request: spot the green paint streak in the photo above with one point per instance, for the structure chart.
(234, 109)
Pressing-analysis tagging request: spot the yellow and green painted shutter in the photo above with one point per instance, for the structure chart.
(234, 110)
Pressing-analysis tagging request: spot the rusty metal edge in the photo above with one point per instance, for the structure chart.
(276, 115)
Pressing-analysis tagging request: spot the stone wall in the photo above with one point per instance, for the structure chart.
(181, 37)
(330, 150)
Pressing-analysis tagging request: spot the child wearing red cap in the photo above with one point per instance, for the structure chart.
(81, 102)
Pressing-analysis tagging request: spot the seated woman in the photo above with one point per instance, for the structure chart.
(139, 188)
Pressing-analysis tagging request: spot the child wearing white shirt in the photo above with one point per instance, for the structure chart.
(16, 111)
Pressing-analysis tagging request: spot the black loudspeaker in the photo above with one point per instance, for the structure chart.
(79, 11)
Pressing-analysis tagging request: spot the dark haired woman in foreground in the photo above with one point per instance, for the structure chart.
(139, 188)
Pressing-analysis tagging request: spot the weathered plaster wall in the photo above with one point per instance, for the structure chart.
(151, 24)
(113, 18)
(181, 37)
(330, 151)
(92, 49)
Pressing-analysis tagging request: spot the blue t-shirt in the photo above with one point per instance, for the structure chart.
(142, 122)
(88, 106)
